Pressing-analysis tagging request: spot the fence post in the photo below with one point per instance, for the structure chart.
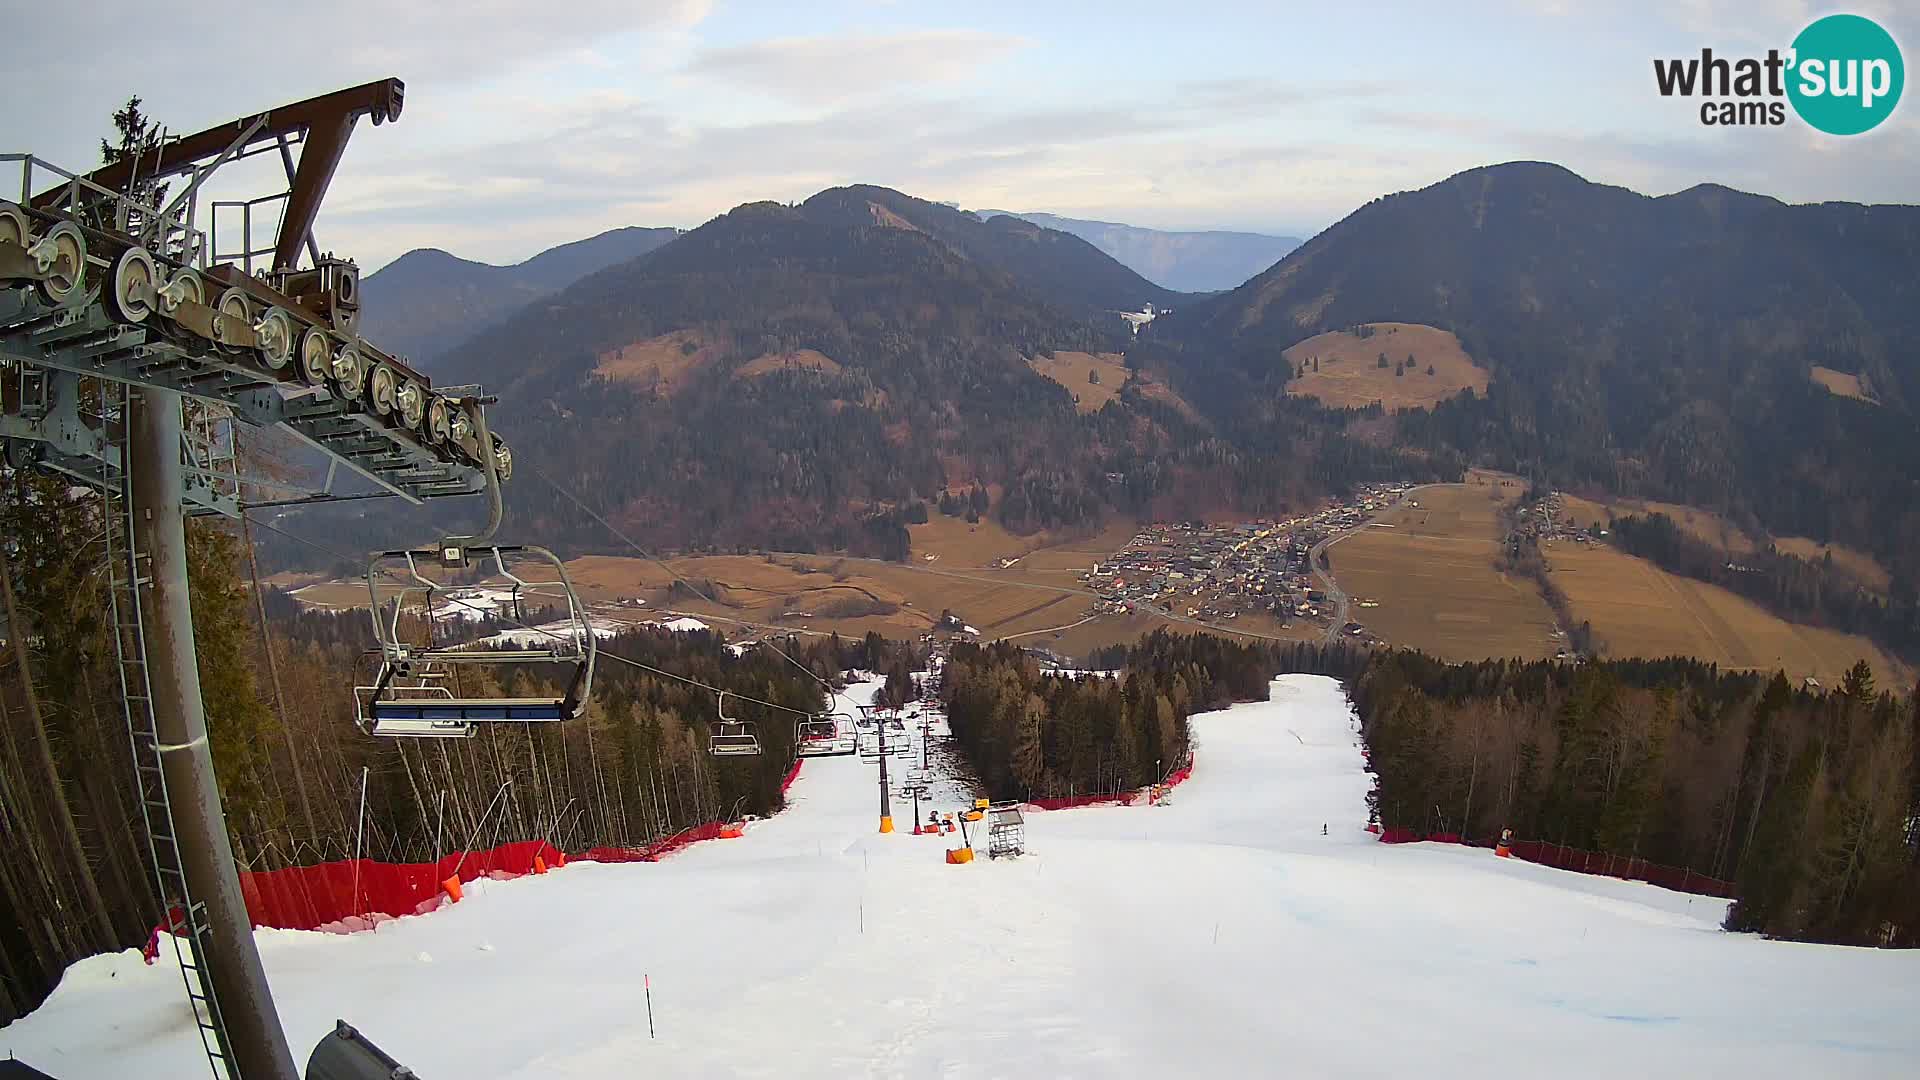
(359, 838)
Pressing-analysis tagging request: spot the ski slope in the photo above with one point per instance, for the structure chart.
(1222, 935)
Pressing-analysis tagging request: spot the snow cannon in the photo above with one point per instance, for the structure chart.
(1504, 848)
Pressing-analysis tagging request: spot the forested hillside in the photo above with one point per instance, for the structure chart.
(1052, 264)
(1658, 346)
(424, 303)
(813, 377)
(1807, 799)
(74, 873)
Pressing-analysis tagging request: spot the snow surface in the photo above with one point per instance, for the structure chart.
(1222, 935)
(682, 625)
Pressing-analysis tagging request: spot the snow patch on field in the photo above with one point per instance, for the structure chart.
(1222, 935)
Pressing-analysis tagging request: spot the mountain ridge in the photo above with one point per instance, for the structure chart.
(429, 300)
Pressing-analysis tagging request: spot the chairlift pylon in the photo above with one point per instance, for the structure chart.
(732, 737)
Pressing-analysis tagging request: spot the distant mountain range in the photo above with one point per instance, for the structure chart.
(802, 376)
(428, 301)
(1195, 262)
(1654, 346)
(812, 376)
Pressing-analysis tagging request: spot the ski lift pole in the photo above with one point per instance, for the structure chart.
(257, 1039)
(886, 808)
(359, 837)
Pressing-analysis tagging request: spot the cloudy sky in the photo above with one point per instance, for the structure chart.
(530, 124)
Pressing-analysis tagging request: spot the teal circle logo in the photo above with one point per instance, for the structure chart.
(1846, 75)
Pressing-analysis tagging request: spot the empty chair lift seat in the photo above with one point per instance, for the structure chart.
(470, 709)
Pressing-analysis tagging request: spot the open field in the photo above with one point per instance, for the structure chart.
(1638, 609)
(771, 362)
(1841, 384)
(665, 362)
(1072, 370)
(1703, 524)
(1350, 375)
(1852, 562)
(954, 543)
(1429, 568)
(1723, 534)
(1038, 600)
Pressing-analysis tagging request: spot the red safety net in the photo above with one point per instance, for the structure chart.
(1677, 878)
(792, 775)
(655, 851)
(1127, 798)
(353, 893)
(1561, 857)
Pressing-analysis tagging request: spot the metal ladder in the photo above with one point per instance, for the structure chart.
(127, 572)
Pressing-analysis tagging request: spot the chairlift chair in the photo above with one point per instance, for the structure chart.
(732, 737)
(814, 736)
(408, 698)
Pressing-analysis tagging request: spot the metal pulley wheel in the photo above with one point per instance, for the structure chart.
(316, 354)
(62, 258)
(411, 401)
(460, 432)
(184, 287)
(274, 338)
(349, 372)
(131, 285)
(233, 305)
(439, 424)
(502, 459)
(14, 228)
(381, 385)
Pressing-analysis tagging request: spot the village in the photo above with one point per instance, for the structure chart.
(1220, 572)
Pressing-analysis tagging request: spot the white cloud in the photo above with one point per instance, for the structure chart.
(838, 68)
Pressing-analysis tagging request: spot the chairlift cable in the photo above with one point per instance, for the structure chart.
(662, 564)
(542, 630)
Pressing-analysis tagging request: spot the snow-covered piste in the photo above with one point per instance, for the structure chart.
(1221, 935)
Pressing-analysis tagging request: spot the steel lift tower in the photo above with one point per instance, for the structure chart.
(131, 350)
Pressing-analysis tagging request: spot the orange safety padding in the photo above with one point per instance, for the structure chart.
(732, 832)
(539, 865)
(451, 887)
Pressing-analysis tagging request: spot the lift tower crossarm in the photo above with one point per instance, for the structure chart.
(323, 124)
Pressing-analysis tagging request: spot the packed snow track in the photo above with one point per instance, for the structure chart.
(1222, 935)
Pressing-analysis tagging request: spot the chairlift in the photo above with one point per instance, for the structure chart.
(408, 696)
(423, 684)
(818, 736)
(732, 737)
